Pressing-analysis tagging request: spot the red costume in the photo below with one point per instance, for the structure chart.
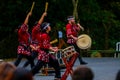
(71, 30)
(24, 43)
(35, 35)
(44, 43)
(34, 42)
(24, 40)
(43, 52)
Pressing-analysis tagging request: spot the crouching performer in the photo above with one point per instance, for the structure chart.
(43, 55)
(24, 42)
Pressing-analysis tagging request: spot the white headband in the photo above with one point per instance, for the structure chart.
(48, 24)
(71, 18)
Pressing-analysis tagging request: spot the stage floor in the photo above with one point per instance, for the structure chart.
(103, 68)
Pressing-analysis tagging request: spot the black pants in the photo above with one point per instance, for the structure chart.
(19, 58)
(78, 50)
(52, 62)
(34, 55)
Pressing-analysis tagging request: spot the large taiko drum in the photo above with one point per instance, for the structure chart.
(58, 56)
(68, 52)
(84, 41)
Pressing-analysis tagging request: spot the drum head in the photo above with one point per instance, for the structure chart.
(84, 41)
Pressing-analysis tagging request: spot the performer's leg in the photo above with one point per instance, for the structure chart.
(19, 58)
(34, 55)
(55, 64)
(26, 64)
(79, 57)
(37, 67)
(31, 61)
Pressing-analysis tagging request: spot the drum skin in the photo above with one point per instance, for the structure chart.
(84, 41)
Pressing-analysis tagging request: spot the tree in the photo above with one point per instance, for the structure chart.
(75, 12)
(108, 21)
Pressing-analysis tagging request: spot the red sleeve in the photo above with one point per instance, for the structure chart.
(22, 30)
(68, 30)
(46, 41)
(24, 27)
(35, 31)
(23, 36)
(77, 28)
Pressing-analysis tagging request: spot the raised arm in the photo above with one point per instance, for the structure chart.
(27, 17)
(42, 18)
(29, 14)
(82, 28)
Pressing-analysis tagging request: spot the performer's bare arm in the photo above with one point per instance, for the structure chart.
(34, 48)
(29, 14)
(27, 17)
(42, 17)
(73, 37)
(80, 27)
(55, 49)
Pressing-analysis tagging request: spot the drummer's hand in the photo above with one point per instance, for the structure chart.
(82, 28)
(75, 38)
(32, 47)
(45, 14)
(29, 14)
(55, 49)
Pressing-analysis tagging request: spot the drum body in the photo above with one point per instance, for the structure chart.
(68, 52)
(58, 56)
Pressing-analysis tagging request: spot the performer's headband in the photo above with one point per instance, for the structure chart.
(70, 18)
(47, 25)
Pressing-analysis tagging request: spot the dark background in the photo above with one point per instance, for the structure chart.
(100, 18)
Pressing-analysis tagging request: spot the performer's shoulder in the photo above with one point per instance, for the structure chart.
(44, 35)
(24, 25)
(36, 26)
(68, 26)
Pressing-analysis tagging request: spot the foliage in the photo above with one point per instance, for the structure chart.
(100, 18)
(8, 47)
(96, 54)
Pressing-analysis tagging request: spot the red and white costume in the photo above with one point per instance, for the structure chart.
(71, 30)
(44, 43)
(24, 40)
(35, 35)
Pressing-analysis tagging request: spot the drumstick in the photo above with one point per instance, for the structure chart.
(32, 6)
(54, 41)
(46, 6)
(35, 48)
